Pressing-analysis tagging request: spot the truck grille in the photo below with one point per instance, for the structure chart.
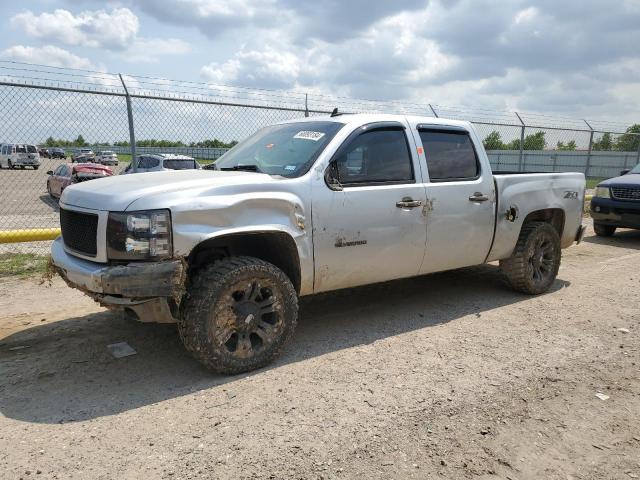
(79, 231)
(626, 193)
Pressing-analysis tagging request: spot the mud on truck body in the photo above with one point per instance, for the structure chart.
(303, 207)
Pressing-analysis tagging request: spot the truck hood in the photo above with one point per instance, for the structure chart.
(119, 192)
(628, 179)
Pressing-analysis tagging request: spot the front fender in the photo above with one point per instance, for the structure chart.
(204, 219)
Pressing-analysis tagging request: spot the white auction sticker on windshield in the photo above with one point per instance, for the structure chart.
(309, 135)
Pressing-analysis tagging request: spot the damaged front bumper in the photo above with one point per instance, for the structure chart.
(148, 289)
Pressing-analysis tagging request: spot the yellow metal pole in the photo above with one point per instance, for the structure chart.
(30, 235)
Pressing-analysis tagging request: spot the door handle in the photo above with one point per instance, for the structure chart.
(478, 197)
(408, 202)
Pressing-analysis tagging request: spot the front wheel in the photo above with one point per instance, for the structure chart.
(534, 263)
(237, 314)
(10, 165)
(603, 230)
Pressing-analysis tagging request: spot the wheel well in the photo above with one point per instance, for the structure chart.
(553, 216)
(277, 248)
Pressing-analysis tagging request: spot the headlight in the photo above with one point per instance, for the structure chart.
(602, 192)
(144, 235)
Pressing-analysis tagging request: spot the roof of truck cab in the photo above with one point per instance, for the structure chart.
(363, 118)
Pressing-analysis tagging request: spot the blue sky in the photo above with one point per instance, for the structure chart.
(575, 58)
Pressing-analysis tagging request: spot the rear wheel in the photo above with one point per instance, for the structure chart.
(603, 230)
(534, 264)
(238, 314)
(9, 164)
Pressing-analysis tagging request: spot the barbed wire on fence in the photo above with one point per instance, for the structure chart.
(72, 108)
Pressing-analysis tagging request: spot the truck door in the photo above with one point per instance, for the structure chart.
(368, 222)
(461, 196)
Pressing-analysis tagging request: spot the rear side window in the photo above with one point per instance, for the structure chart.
(450, 155)
(180, 164)
(377, 156)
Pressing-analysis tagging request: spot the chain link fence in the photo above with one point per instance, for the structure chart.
(61, 111)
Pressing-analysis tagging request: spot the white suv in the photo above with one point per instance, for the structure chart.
(163, 161)
(107, 157)
(19, 155)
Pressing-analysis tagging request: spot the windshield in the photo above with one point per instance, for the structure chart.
(32, 149)
(180, 163)
(85, 150)
(635, 169)
(21, 149)
(287, 150)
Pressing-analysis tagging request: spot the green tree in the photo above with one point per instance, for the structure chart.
(534, 141)
(628, 142)
(493, 141)
(604, 144)
(80, 141)
(569, 146)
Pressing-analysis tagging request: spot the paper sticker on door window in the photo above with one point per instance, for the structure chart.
(290, 168)
(308, 135)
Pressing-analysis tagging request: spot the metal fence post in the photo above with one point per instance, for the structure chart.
(587, 167)
(306, 104)
(433, 111)
(638, 156)
(521, 160)
(132, 135)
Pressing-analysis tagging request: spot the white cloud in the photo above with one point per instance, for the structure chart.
(146, 50)
(47, 55)
(115, 30)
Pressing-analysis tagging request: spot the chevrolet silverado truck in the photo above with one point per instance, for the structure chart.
(303, 207)
(616, 203)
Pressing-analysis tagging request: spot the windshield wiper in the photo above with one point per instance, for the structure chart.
(244, 168)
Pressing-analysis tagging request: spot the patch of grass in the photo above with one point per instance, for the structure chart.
(592, 182)
(22, 264)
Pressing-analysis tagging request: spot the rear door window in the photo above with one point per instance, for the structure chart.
(450, 155)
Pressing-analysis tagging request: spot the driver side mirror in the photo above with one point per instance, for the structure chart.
(625, 171)
(49, 172)
(332, 178)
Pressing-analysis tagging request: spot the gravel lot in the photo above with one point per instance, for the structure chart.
(445, 376)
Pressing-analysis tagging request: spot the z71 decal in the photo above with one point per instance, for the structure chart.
(570, 194)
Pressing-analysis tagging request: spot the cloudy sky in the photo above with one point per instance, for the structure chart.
(579, 58)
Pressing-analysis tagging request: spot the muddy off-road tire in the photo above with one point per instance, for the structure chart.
(237, 314)
(534, 264)
(603, 230)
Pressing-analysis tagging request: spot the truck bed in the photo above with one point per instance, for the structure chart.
(531, 192)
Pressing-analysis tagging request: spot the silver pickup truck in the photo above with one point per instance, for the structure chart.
(302, 207)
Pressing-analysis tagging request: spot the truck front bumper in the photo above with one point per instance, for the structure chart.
(146, 288)
(617, 213)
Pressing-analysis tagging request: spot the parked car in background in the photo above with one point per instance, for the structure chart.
(70, 173)
(57, 152)
(163, 162)
(43, 152)
(616, 203)
(83, 155)
(107, 157)
(19, 155)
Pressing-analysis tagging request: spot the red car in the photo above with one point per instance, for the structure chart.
(70, 173)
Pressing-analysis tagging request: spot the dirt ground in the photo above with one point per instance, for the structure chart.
(445, 376)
